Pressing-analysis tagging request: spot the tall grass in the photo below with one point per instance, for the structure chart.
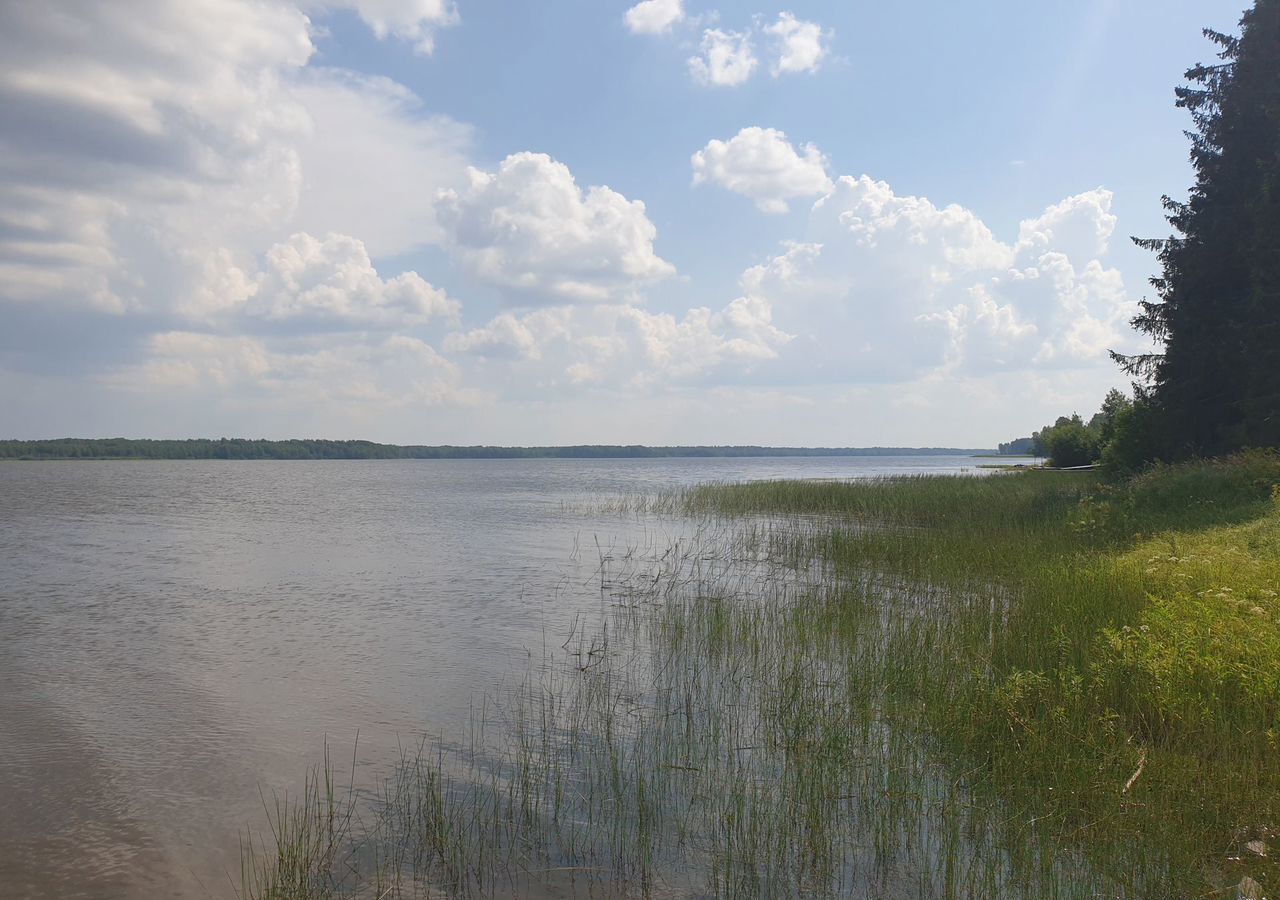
(1018, 685)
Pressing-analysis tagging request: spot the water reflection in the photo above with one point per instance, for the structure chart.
(175, 636)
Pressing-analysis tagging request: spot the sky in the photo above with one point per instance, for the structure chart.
(580, 221)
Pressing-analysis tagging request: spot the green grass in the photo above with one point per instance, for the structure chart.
(1087, 631)
(1030, 684)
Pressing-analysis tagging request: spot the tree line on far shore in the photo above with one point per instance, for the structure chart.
(239, 448)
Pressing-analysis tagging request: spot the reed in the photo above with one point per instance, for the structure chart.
(1029, 684)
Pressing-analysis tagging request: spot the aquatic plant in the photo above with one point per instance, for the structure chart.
(1017, 685)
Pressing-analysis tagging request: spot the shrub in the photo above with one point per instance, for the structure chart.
(1132, 438)
(1071, 444)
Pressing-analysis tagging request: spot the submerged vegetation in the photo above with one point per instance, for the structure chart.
(1031, 684)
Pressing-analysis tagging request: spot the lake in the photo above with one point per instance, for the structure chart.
(180, 639)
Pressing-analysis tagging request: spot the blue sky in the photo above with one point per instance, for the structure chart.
(1003, 109)
(420, 221)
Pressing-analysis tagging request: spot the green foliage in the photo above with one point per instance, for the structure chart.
(1215, 386)
(1104, 421)
(1071, 444)
(911, 502)
(1118, 435)
(924, 686)
(1199, 494)
(1079, 631)
(1203, 659)
(1128, 446)
(1018, 447)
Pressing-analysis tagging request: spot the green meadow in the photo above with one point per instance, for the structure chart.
(1036, 684)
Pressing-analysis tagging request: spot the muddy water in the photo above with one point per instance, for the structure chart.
(179, 639)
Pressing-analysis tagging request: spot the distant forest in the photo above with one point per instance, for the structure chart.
(239, 448)
(1027, 446)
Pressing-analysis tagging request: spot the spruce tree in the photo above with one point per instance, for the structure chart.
(1215, 385)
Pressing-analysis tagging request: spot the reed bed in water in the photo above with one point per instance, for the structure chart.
(1031, 684)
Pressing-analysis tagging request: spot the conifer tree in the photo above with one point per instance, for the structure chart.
(1215, 384)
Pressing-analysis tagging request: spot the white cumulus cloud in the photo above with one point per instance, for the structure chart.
(1080, 226)
(892, 288)
(387, 373)
(529, 228)
(654, 16)
(505, 337)
(626, 347)
(725, 58)
(332, 279)
(799, 46)
(728, 342)
(415, 21)
(128, 140)
(372, 160)
(193, 208)
(760, 163)
(147, 159)
(324, 282)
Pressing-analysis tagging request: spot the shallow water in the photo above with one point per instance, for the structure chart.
(178, 639)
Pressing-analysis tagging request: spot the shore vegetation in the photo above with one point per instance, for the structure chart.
(1037, 684)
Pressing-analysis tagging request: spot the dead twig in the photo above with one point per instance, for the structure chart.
(1142, 764)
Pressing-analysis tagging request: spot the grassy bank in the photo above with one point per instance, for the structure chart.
(1107, 656)
(1034, 684)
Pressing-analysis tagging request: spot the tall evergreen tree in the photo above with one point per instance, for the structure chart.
(1215, 386)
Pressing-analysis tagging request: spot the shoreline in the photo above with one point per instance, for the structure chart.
(89, 449)
(1052, 685)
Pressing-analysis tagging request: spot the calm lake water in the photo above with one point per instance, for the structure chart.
(177, 637)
